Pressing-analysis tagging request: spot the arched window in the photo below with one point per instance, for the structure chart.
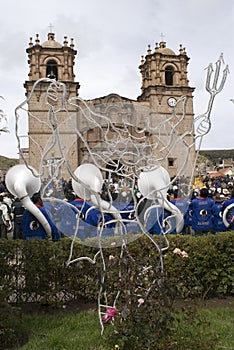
(52, 70)
(169, 72)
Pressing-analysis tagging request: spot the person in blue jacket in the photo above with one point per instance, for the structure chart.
(32, 228)
(71, 216)
(218, 224)
(182, 204)
(230, 214)
(202, 210)
(128, 213)
(99, 223)
(156, 219)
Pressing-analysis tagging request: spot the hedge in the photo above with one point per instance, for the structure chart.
(36, 271)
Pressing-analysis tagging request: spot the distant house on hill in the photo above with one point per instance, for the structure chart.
(222, 172)
(211, 161)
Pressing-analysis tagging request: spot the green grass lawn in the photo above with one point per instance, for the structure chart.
(222, 324)
(81, 331)
(64, 331)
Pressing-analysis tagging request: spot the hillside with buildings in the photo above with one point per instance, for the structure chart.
(210, 161)
(6, 163)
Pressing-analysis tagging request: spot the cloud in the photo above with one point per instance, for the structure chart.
(110, 37)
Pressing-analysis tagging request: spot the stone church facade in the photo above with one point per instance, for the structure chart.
(164, 82)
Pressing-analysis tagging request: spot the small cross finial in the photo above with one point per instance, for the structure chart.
(162, 36)
(51, 27)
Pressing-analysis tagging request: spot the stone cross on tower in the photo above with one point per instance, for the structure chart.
(162, 36)
(51, 27)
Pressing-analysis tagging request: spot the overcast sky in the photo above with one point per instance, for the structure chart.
(111, 36)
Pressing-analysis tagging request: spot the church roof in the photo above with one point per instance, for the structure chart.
(164, 50)
(51, 42)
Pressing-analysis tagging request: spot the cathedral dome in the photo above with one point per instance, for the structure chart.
(165, 50)
(51, 42)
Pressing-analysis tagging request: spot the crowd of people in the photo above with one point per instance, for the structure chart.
(203, 213)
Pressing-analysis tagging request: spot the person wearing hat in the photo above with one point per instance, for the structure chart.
(218, 224)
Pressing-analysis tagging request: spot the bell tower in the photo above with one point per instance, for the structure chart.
(164, 74)
(55, 61)
(164, 82)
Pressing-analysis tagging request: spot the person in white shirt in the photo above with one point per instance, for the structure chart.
(5, 222)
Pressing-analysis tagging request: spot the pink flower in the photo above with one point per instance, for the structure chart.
(177, 251)
(106, 318)
(141, 301)
(111, 257)
(111, 312)
(184, 254)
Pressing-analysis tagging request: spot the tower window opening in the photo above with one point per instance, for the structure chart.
(52, 70)
(171, 162)
(169, 72)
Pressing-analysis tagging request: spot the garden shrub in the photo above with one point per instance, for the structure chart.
(208, 271)
(36, 271)
(142, 323)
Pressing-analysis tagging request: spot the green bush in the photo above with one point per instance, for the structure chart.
(208, 271)
(36, 271)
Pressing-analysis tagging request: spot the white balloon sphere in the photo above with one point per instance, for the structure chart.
(154, 183)
(91, 177)
(21, 181)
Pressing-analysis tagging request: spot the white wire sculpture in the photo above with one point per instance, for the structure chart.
(126, 151)
(3, 120)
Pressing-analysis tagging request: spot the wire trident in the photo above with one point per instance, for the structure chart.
(204, 119)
